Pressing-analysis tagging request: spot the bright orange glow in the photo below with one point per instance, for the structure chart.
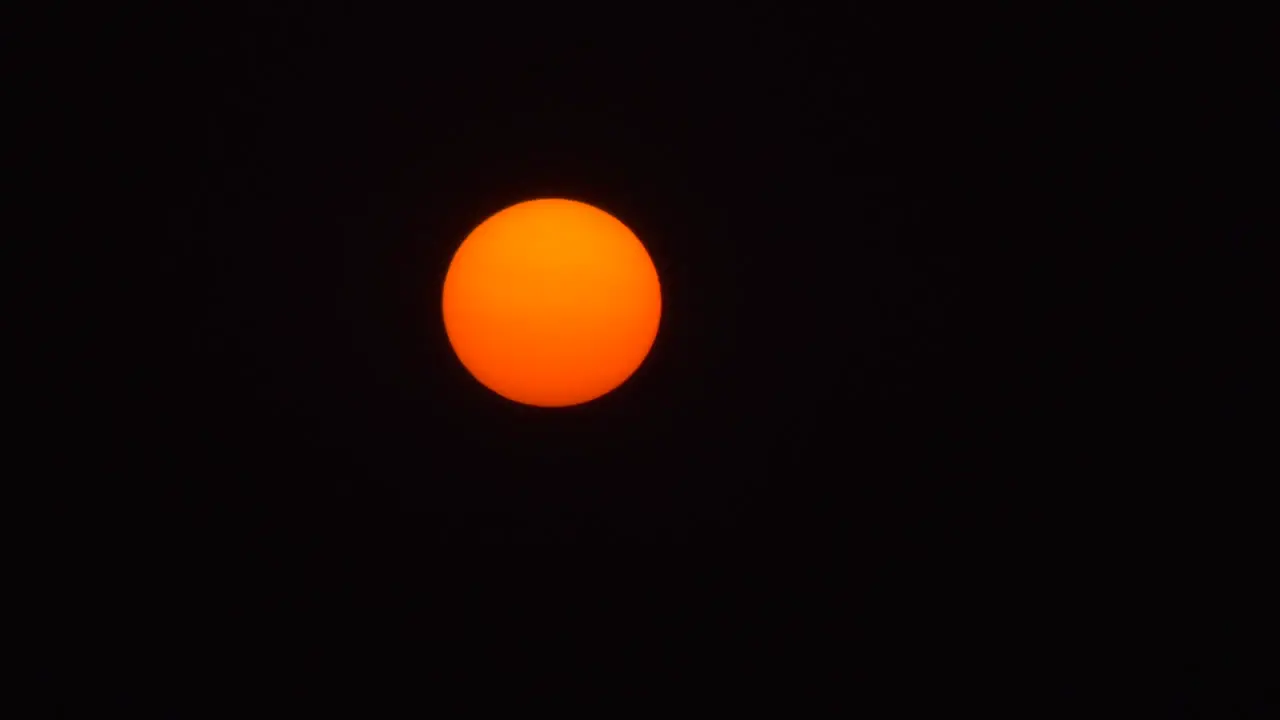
(551, 303)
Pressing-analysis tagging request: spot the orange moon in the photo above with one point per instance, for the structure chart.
(551, 302)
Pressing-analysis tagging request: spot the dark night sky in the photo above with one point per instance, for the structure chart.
(854, 443)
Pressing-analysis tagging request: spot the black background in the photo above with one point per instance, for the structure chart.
(889, 247)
